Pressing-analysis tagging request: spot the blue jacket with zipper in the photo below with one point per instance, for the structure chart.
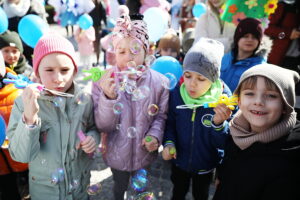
(198, 144)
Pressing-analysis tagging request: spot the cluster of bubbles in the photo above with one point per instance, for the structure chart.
(57, 176)
(139, 183)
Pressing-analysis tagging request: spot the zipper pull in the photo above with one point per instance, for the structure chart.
(194, 114)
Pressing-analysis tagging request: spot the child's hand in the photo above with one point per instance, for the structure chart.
(150, 143)
(169, 152)
(88, 145)
(108, 85)
(222, 113)
(31, 106)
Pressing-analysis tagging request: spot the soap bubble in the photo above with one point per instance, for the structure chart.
(82, 98)
(57, 176)
(149, 60)
(171, 84)
(281, 35)
(153, 109)
(135, 47)
(145, 196)
(118, 108)
(94, 189)
(58, 101)
(131, 132)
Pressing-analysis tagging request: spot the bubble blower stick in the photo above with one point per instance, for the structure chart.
(230, 102)
(21, 82)
(82, 137)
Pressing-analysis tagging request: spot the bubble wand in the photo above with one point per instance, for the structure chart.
(21, 82)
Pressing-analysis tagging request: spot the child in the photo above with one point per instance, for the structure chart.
(169, 45)
(46, 135)
(262, 155)
(11, 172)
(126, 149)
(85, 40)
(12, 50)
(195, 133)
(248, 50)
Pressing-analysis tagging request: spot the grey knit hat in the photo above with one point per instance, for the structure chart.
(284, 79)
(205, 58)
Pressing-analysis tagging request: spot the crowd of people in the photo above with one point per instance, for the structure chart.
(53, 127)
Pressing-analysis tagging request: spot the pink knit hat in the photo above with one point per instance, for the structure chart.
(136, 29)
(52, 43)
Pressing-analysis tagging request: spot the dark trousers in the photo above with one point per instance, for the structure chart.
(181, 181)
(9, 187)
(121, 181)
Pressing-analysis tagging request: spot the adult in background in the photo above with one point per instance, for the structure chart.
(210, 25)
(284, 30)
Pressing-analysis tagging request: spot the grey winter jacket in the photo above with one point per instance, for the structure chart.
(50, 147)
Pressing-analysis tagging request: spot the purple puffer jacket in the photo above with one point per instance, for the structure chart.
(123, 152)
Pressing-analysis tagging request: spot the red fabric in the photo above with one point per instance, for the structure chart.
(281, 22)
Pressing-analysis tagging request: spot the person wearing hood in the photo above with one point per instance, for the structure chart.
(262, 155)
(249, 49)
(12, 50)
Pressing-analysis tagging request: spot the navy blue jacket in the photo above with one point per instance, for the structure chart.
(196, 144)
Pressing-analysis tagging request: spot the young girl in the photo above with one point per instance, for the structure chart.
(195, 133)
(262, 156)
(44, 134)
(248, 50)
(126, 130)
(85, 40)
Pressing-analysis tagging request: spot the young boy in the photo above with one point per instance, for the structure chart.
(262, 156)
(12, 50)
(193, 132)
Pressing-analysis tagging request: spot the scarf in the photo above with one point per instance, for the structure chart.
(16, 10)
(211, 95)
(244, 138)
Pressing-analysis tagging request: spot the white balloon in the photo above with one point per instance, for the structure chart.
(157, 23)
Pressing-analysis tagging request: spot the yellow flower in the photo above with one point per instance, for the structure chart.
(251, 3)
(270, 6)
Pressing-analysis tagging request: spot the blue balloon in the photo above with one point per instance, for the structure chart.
(199, 9)
(3, 21)
(31, 28)
(85, 21)
(168, 64)
(2, 130)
